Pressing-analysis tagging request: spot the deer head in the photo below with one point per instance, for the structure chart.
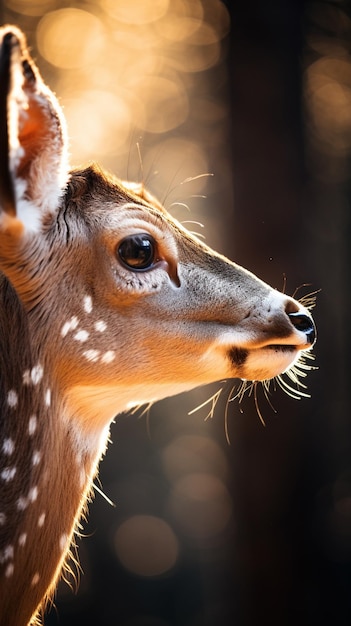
(106, 302)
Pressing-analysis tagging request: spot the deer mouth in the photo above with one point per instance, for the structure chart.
(281, 347)
(239, 356)
(264, 362)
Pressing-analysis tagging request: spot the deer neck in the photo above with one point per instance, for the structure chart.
(46, 471)
(46, 480)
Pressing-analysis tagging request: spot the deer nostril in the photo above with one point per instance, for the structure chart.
(305, 324)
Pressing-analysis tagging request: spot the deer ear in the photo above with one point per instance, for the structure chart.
(33, 145)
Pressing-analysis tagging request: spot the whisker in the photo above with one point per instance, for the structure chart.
(133, 133)
(226, 409)
(305, 366)
(266, 391)
(293, 393)
(96, 488)
(146, 409)
(147, 412)
(190, 179)
(194, 232)
(170, 189)
(183, 204)
(309, 300)
(140, 163)
(302, 286)
(199, 235)
(284, 282)
(213, 399)
(193, 222)
(243, 388)
(293, 375)
(256, 404)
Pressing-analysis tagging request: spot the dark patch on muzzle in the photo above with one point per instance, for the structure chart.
(238, 356)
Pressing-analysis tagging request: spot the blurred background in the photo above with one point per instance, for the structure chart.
(237, 115)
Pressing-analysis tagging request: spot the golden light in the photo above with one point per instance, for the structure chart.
(184, 159)
(70, 38)
(328, 90)
(166, 103)
(179, 28)
(124, 68)
(136, 12)
(110, 130)
(30, 7)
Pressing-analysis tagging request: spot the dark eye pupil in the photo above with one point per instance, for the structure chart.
(137, 251)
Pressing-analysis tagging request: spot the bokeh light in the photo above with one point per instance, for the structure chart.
(123, 68)
(136, 12)
(110, 130)
(146, 545)
(129, 73)
(70, 38)
(201, 505)
(188, 454)
(31, 8)
(199, 501)
(327, 92)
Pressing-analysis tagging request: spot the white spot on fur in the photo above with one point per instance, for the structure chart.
(92, 355)
(81, 335)
(32, 425)
(33, 494)
(48, 397)
(70, 325)
(33, 376)
(2, 519)
(22, 503)
(36, 458)
(88, 304)
(36, 374)
(22, 539)
(63, 542)
(12, 398)
(35, 579)
(41, 520)
(8, 473)
(7, 554)
(100, 326)
(8, 447)
(108, 357)
(9, 570)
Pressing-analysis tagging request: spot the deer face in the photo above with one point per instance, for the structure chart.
(149, 310)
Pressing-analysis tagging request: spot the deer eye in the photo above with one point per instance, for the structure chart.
(138, 252)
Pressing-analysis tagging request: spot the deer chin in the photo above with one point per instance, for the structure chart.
(95, 406)
(266, 362)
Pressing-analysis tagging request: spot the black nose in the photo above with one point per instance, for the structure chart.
(305, 324)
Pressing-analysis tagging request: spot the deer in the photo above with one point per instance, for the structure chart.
(107, 303)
